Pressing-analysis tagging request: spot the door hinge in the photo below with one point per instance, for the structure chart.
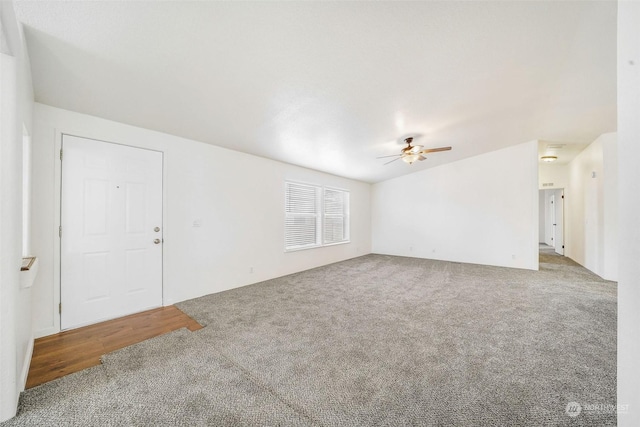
(60, 231)
(60, 308)
(61, 154)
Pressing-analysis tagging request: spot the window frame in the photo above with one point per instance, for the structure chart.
(27, 164)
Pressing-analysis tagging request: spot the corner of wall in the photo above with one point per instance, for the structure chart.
(468, 200)
(15, 303)
(26, 363)
(592, 206)
(629, 210)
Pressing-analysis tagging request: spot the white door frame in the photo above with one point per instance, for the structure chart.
(59, 132)
(553, 202)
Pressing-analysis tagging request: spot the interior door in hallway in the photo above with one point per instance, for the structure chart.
(111, 231)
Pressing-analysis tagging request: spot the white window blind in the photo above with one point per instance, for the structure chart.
(301, 216)
(315, 216)
(336, 216)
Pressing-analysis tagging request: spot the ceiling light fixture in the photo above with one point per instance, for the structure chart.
(412, 153)
(410, 158)
(549, 158)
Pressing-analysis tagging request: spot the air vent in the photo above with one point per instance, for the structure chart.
(547, 184)
(555, 146)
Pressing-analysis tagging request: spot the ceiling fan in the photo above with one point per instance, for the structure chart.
(411, 153)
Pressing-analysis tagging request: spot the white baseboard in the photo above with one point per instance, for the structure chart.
(25, 366)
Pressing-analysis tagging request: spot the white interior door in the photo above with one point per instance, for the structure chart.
(111, 231)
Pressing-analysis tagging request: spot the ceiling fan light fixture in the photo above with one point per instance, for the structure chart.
(410, 158)
(549, 159)
(413, 153)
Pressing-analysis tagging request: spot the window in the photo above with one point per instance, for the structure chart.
(336, 216)
(315, 216)
(301, 218)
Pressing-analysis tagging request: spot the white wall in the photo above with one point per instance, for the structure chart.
(548, 223)
(237, 198)
(542, 217)
(610, 201)
(9, 258)
(591, 208)
(481, 210)
(16, 94)
(552, 173)
(629, 212)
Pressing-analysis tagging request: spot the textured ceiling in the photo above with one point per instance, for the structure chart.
(333, 85)
(564, 153)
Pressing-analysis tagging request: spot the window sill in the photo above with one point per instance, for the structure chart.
(317, 246)
(28, 272)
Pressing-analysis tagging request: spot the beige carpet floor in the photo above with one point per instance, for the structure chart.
(376, 340)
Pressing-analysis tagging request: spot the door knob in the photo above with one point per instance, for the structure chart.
(156, 241)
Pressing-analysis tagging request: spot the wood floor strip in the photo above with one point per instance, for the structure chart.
(55, 356)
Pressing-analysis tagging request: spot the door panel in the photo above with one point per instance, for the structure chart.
(111, 203)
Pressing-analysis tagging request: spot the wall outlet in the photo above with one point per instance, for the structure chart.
(410, 248)
(250, 269)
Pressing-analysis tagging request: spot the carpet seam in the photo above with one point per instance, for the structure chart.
(267, 388)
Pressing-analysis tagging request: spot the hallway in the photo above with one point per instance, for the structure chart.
(548, 255)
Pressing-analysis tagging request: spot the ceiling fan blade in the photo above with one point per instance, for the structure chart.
(391, 161)
(393, 155)
(434, 150)
(421, 158)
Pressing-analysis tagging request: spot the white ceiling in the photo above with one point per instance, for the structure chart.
(333, 85)
(565, 153)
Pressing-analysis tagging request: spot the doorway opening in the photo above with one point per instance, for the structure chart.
(551, 219)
